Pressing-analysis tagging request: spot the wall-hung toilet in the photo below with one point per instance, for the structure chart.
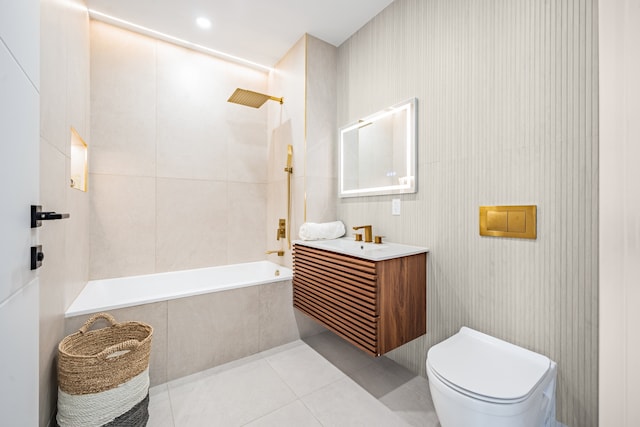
(479, 380)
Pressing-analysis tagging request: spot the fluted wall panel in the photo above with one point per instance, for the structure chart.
(507, 114)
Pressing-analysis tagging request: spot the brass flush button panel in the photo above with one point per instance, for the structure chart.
(508, 221)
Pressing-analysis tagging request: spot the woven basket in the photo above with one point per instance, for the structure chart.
(101, 359)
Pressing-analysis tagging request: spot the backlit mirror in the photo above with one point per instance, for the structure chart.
(378, 153)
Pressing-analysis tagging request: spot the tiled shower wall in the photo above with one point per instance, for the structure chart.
(507, 114)
(285, 126)
(64, 103)
(306, 78)
(178, 175)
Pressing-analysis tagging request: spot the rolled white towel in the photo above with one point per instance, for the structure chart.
(325, 230)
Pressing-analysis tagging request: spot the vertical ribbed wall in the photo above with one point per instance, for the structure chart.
(507, 94)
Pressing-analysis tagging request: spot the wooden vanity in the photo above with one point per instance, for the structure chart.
(377, 305)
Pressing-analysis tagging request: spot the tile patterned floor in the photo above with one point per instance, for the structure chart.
(322, 381)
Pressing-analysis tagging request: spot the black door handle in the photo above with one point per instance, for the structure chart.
(51, 215)
(37, 216)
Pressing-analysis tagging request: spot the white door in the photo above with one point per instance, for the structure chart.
(19, 188)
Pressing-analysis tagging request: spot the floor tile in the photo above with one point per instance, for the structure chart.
(296, 385)
(382, 376)
(215, 370)
(283, 348)
(345, 403)
(340, 353)
(292, 415)
(160, 414)
(412, 402)
(304, 370)
(231, 397)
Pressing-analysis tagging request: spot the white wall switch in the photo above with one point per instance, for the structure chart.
(395, 206)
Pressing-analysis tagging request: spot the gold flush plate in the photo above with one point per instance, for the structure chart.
(508, 221)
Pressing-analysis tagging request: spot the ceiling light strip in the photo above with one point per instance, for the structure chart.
(166, 37)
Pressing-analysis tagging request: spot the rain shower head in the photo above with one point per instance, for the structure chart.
(251, 98)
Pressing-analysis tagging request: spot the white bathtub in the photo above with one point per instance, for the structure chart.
(109, 294)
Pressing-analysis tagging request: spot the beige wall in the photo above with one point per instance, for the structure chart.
(64, 103)
(178, 175)
(507, 114)
(285, 126)
(619, 32)
(306, 78)
(321, 134)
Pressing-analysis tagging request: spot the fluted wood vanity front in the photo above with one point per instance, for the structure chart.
(376, 305)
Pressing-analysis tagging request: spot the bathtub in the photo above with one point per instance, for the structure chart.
(109, 294)
(201, 318)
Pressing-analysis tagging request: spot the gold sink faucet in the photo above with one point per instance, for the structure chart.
(367, 232)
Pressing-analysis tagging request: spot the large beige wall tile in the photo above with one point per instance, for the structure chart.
(247, 221)
(298, 203)
(123, 102)
(280, 138)
(123, 225)
(198, 136)
(203, 145)
(247, 162)
(321, 199)
(77, 243)
(53, 86)
(276, 209)
(64, 103)
(192, 135)
(277, 319)
(192, 228)
(320, 113)
(288, 81)
(211, 329)
(78, 67)
(53, 274)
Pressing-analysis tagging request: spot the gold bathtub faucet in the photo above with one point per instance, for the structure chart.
(367, 232)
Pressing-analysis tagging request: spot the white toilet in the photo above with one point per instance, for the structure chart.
(479, 380)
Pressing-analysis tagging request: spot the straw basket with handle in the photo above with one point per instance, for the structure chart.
(103, 374)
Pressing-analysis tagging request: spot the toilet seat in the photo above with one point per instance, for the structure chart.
(471, 394)
(486, 368)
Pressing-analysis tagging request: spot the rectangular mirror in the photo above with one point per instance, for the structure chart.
(378, 153)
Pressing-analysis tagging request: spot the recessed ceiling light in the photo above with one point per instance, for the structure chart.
(203, 22)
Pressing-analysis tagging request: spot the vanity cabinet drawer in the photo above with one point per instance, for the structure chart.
(375, 305)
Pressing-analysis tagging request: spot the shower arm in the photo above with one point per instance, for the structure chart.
(289, 170)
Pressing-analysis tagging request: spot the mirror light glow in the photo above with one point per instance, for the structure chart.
(367, 153)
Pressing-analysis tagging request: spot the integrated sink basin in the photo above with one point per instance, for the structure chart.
(370, 251)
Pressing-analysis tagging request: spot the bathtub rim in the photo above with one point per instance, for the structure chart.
(285, 274)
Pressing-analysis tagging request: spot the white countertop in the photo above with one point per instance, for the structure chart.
(370, 251)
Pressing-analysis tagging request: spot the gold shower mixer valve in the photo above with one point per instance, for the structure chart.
(282, 229)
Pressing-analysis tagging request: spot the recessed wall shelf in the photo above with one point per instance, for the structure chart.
(79, 170)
